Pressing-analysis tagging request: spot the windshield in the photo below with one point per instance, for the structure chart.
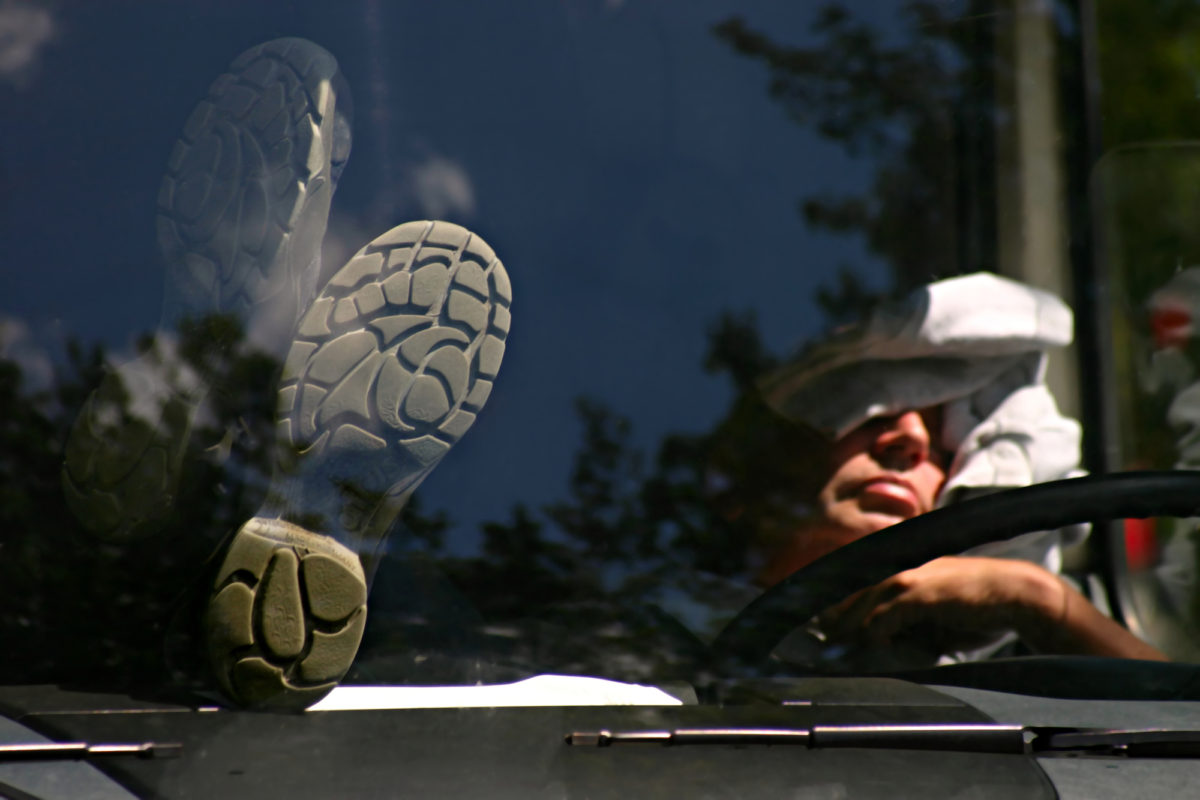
(456, 343)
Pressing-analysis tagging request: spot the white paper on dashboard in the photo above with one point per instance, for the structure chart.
(541, 690)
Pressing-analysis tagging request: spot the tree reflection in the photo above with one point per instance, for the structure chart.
(912, 96)
(82, 601)
(646, 557)
(576, 586)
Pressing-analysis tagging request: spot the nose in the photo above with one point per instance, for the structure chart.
(903, 443)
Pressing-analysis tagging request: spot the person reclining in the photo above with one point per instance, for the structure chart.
(929, 401)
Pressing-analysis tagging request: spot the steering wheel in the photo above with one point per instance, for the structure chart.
(751, 636)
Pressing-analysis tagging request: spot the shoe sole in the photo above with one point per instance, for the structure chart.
(242, 208)
(389, 368)
(286, 615)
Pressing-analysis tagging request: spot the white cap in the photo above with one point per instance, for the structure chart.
(944, 341)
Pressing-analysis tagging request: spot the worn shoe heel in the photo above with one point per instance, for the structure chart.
(286, 615)
(389, 368)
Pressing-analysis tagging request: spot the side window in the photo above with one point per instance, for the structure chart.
(1145, 199)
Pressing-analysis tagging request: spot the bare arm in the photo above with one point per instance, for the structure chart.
(969, 597)
(1082, 630)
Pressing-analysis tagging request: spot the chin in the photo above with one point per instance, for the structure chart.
(873, 521)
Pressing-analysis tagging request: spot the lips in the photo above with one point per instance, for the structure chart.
(889, 494)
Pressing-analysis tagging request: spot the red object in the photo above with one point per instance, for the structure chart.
(1171, 326)
(1141, 544)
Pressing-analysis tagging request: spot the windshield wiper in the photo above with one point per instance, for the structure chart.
(974, 738)
(76, 751)
(988, 738)
(1129, 742)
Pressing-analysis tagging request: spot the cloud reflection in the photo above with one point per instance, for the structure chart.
(19, 345)
(443, 188)
(24, 30)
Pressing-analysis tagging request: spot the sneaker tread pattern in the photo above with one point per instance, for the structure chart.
(286, 615)
(247, 190)
(399, 351)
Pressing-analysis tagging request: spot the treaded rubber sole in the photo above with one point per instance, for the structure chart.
(393, 361)
(245, 200)
(389, 368)
(286, 615)
(242, 210)
(124, 456)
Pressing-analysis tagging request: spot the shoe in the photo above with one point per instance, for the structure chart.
(242, 212)
(390, 366)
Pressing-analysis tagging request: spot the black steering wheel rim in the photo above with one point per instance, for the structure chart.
(751, 636)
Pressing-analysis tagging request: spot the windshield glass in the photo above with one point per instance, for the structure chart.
(456, 343)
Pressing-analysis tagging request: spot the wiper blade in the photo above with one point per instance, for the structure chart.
(974, 738)
(1119, 742)
(607, 738)
(76, 751)
(983, 738)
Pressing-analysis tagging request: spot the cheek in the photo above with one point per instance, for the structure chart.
(928, 480)
(837, 498)
(844, 474)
